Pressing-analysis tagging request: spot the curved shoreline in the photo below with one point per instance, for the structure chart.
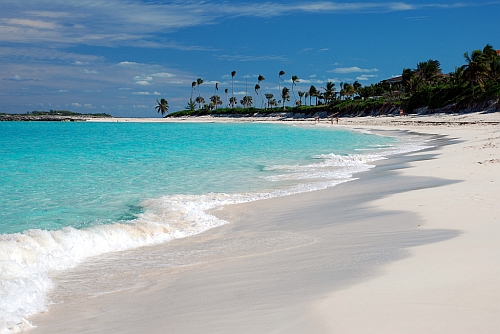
(447, 286)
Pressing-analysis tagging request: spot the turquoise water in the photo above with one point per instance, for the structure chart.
(74, 190)
(80, 174)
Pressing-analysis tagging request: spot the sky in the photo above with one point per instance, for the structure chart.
(120, 56)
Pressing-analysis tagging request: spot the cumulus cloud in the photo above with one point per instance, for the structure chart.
(127, 63)
(141, 93)
(76, 104)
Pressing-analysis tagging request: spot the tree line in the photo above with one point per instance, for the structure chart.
(423, 86)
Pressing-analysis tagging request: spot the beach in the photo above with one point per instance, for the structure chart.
(410, 246)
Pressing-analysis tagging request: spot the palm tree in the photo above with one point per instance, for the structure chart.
(200, 100)
(233, 101)
(279, 80)
(193, 84)
(259, 80)
(329, 92)
(348, 90)
(273, 103)
(285, 96)
(306, 95)
(428, 70)
(356, 85)
(365, 92)
(216, 101)
(162, 106)
(482, 66)
(226, 92)
(269, 97)
(199, 82)
(301, 95)
(312, 92)
(257, 88)
(233, 73)
(342, 91)
(295, 79)
(474, 68)
(246, 101)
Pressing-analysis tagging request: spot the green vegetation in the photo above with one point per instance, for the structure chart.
(478, 80)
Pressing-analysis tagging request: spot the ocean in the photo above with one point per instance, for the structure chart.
(70, 191)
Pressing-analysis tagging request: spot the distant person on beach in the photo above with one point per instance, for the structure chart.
(401, 112)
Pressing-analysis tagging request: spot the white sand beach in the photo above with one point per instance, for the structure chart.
(411, 246)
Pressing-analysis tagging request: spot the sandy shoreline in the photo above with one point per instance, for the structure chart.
(410, 247)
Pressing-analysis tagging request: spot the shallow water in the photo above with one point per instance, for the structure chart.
(74, 190)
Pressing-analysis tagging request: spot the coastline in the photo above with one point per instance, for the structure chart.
(443, 191)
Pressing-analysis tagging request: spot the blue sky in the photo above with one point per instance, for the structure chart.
(118, 57)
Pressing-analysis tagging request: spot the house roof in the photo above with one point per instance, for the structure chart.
(397, 79)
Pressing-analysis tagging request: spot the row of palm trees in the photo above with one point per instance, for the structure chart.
(328, 95)
(481, 70)
(247, 100)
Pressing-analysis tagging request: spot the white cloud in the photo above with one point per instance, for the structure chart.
(141, 93)
(156, 93)
(365, 77)
(115, 22)
(140, 106)
(143, 77)
(353, 69)
(311, 81)
(163, 75)
(76, 104)
(142, 83)
(127, 63)
(88, 105)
